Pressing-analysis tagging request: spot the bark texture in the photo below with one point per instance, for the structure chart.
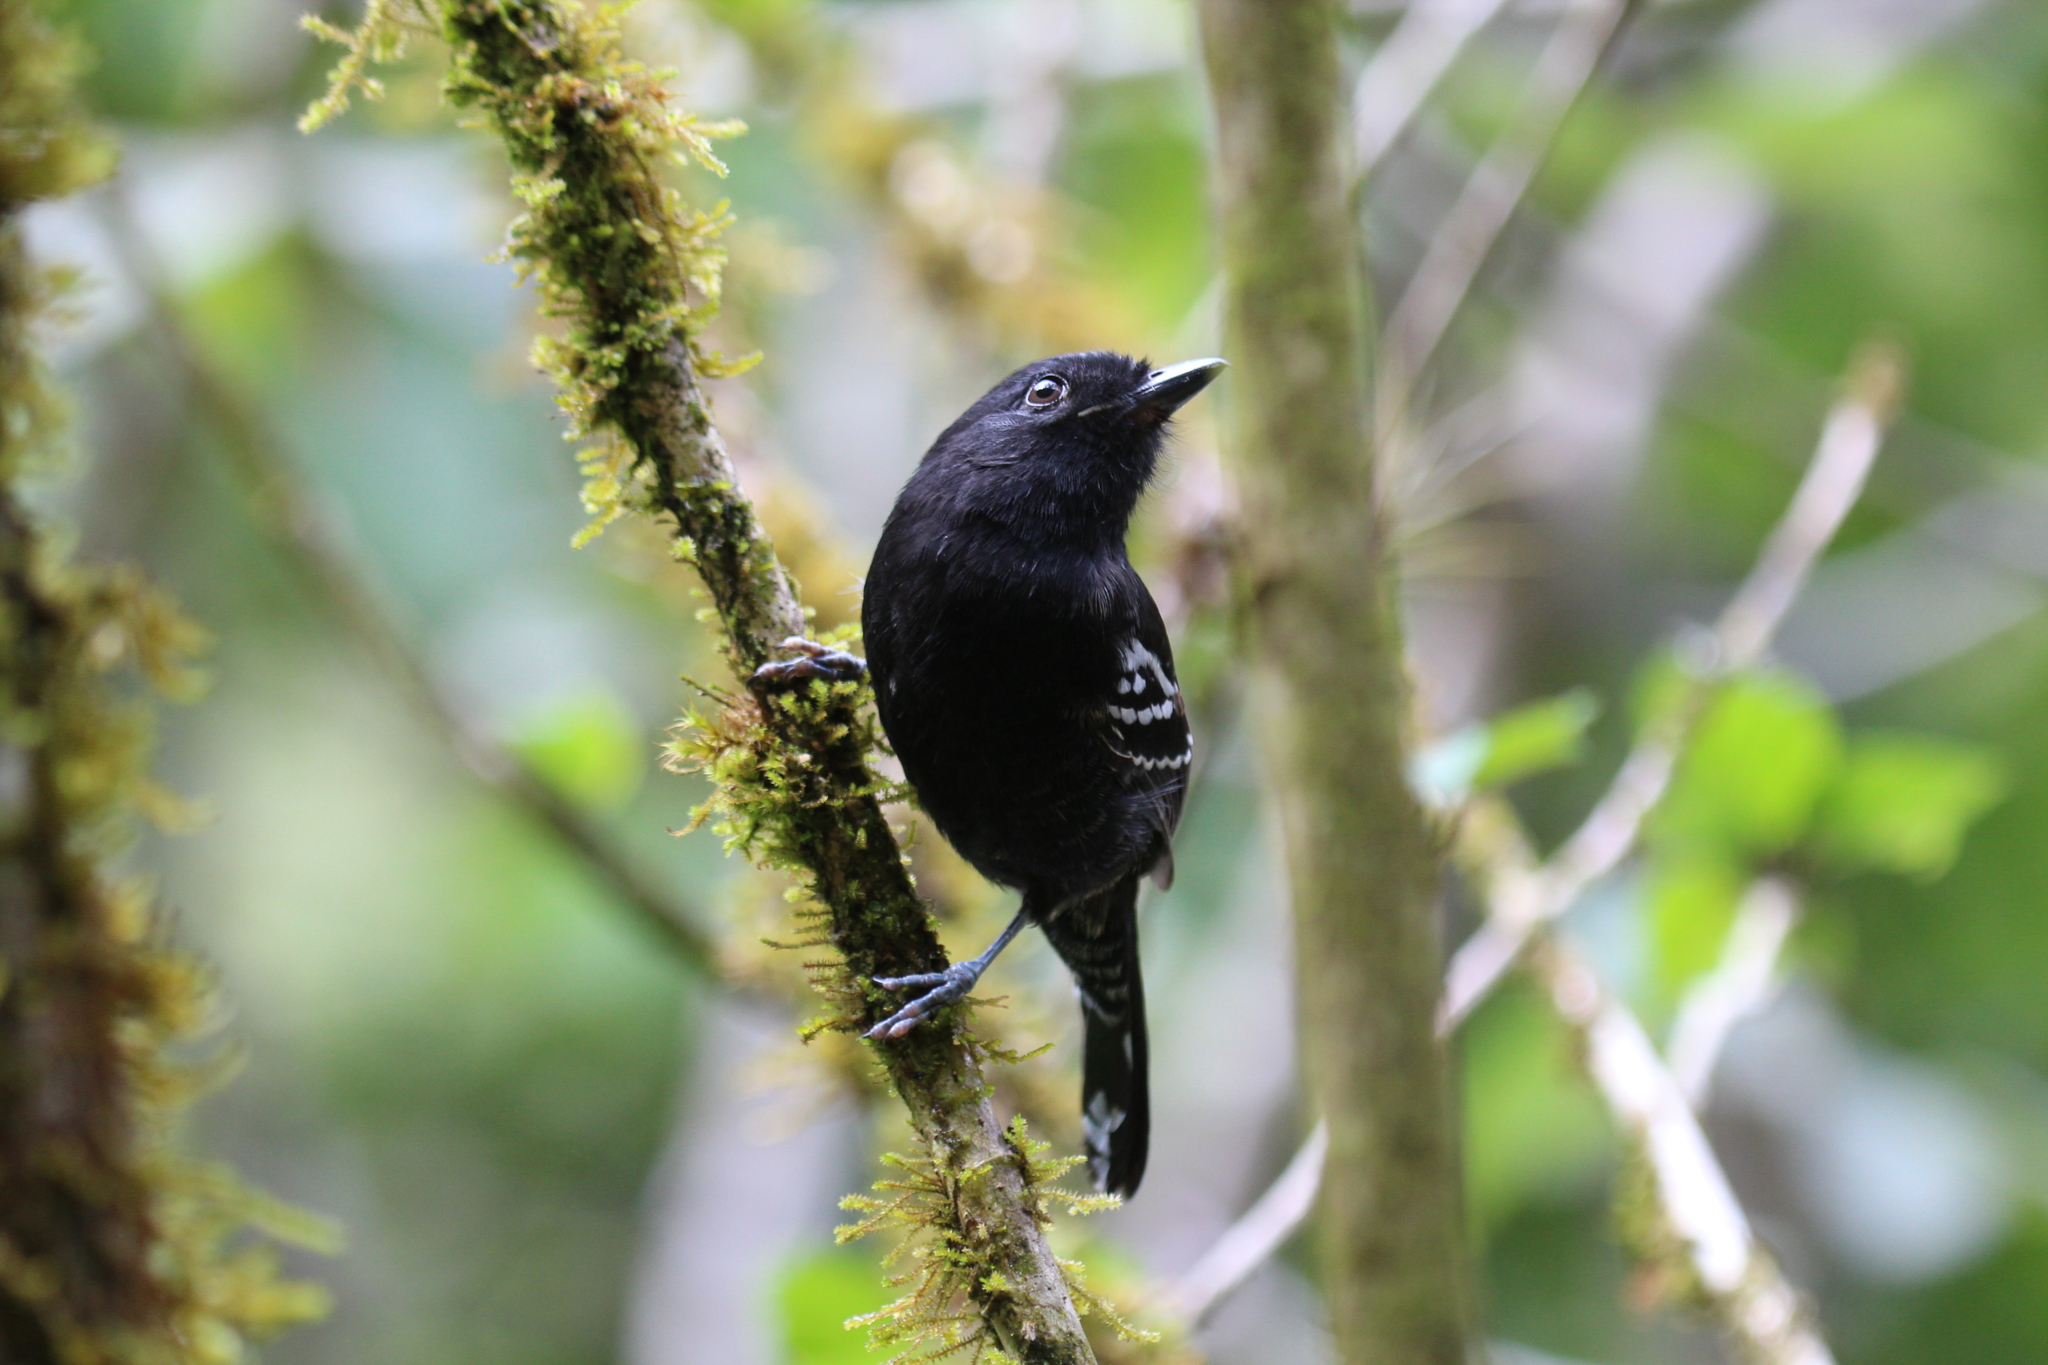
(1318, 587)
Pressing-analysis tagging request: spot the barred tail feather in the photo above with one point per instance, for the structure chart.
(1098, 940)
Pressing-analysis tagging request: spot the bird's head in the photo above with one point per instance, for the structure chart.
(1067, 442)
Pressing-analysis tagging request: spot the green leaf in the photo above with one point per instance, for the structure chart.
(1761, 756)
(588, 746)
(815, 1295)
(1659, 689)
(1530, 739)
(1536, 738)
(1903, 802)
(1692, 900)
(1533, 1134)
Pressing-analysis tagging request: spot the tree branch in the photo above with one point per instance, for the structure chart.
(1466, 236)
(1834, 478)
(1318, 583)
(1741, 983)
(1692, 1224)
(617, 257)
(113, 1246)
(78, 1220)
(1733, 1274)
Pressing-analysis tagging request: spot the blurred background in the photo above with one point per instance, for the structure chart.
(550, 1142)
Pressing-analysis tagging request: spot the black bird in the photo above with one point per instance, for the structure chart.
(1024, 677)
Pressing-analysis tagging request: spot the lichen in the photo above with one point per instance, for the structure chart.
(614, 251)
(768, 797)
(1661, 1269)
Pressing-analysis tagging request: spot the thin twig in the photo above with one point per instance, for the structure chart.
(1741, 983)
(1848, 444)
(1406, 69)
(1698, 1214)
(1523, 895)
(311, 546)
(1841, 463)
(1731, 1270)
(1483, 209)
(1249, 1242)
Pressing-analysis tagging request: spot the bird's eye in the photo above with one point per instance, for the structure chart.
(1045, 391)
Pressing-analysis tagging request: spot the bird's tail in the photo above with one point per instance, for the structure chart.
(1098, 940)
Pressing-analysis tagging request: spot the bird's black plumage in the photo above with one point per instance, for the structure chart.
(1024, 677)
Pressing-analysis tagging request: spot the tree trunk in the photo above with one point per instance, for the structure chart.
(1318, 587)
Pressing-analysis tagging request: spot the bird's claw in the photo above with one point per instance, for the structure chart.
(813, 661)
(947, 988)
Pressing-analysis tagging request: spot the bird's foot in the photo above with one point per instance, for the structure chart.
(813, 661)
(946, 988)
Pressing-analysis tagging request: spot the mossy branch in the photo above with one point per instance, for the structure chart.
(632, 274)
(113, 1249)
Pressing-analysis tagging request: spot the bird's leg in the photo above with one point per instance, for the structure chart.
(946, 987)
(813, 661)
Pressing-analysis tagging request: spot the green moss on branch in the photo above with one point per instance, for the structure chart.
(632, 274)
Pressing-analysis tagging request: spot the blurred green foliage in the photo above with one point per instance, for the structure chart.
(815, 1296)
(1532, 738)
(1902, 803)
(1754, 768)
(1135, 167)
(588, 745)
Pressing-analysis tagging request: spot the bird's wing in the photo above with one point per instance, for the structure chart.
(1147, 728)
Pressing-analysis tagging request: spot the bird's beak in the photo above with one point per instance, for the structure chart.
(1165, 390)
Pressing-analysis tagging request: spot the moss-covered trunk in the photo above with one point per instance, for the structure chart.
(1318, 587)
(76, 1225)
(76, 1222)
(111, 1248)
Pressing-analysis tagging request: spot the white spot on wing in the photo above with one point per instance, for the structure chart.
(1142, 666)
(1141, 669)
